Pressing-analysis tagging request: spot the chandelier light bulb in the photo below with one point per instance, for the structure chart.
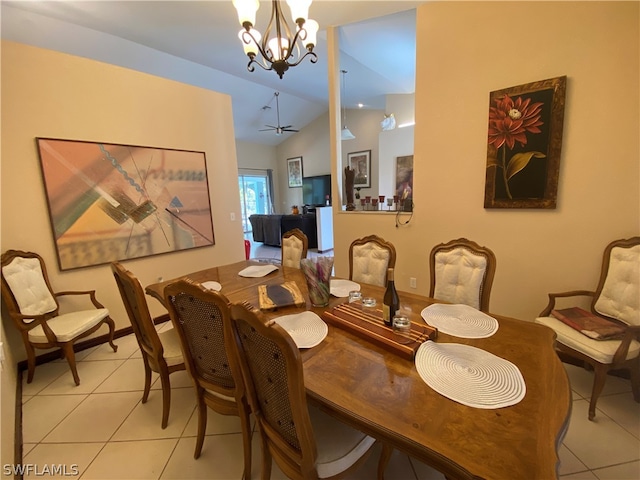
(247, 11)
(278, 53)
(249, 39)
(310, 40)
(299, 10)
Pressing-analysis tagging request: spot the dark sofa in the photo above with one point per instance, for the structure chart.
(268, 229)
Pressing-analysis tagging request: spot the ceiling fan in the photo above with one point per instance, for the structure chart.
(278, 129)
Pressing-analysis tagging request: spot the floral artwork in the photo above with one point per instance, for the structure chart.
(524, 144)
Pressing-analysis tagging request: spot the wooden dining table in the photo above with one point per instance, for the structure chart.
(382, 394)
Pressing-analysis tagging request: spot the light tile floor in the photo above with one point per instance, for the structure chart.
(102, 427)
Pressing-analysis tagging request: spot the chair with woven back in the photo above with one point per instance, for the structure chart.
(615, 303)
(369, 259)
(161, 352)
(34, 308)
(198, 315)
(294, 247)
(305, 442)
(461, 271)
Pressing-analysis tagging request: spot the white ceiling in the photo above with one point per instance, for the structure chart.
(377, 43)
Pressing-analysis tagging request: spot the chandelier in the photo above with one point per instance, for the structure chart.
(278, 45)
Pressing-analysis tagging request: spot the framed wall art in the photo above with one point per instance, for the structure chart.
(294, 171)
(404, 182)
(360, 162)
(524, 145)
(110, 202)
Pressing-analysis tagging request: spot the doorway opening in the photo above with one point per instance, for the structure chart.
(255, 195)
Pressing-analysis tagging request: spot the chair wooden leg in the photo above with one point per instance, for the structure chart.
(598, 384)
(166, 397)
(266, 460)
(70, 355)
(31, 361)
(385, 456)
(634, 373)
(202, 424)
(245, 422)
(147, 380)
(112, 329)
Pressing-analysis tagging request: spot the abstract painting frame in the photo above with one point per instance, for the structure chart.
(109, 202)
(294, 171)
(360, 162)
(404, 182)
(524, 145)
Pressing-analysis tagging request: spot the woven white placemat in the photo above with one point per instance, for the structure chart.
(460, 320)
(469, 375)
(307, 329)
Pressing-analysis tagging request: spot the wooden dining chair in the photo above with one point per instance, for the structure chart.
(198, 315)
(369, 259)
(161, 352)
(461, 271)
(294, 248)
(305, 442)
(616, 298)
(35, 310)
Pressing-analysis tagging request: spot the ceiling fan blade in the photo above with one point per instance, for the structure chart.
(289, 130)
(266, 129)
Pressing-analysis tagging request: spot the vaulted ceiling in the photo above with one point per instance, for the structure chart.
(377, 48)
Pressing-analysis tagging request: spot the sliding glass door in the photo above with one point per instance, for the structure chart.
(255, 196)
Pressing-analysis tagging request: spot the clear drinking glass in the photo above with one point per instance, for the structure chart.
(369, 305)
(401, 328)
(355, 296)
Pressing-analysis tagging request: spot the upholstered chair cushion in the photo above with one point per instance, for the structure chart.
(292, 248)
(459, 275)
(172, 350)
(600, 350)
(619, 298)
(339, 445)
(26, 281)
(370, 262)
(68, 326)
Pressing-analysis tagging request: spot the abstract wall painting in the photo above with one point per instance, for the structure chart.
(110, 202)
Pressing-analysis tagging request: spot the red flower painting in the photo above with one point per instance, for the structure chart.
(509, 122)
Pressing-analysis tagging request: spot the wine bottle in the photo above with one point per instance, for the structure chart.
(391, 301)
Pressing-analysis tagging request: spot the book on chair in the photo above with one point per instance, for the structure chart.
(588, 324)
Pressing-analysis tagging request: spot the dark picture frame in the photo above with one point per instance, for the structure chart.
(294, 171)
(404, 182)
(109, 202)
(524, 145)
(360, 162)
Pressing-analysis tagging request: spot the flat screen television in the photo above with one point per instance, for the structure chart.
(316, 189)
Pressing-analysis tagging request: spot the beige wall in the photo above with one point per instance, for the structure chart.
(49, 94)
(254, 156)
(466, 50)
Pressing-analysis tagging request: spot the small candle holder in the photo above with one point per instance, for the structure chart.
(389, 203)
(374, 204)
(367, 201)
(381, 200)
(362, 201)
